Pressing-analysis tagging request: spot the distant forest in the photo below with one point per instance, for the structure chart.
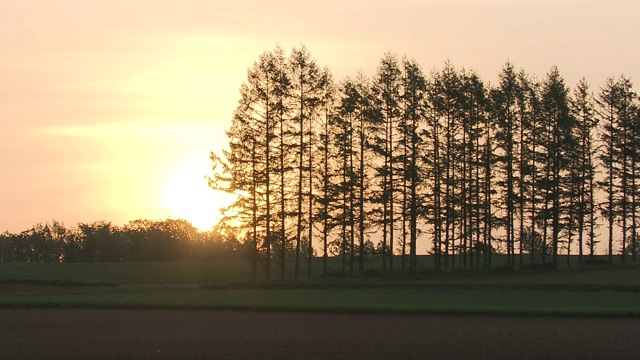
(526, 167)
(139, 240)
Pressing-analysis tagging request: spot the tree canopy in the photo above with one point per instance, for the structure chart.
(468, 169)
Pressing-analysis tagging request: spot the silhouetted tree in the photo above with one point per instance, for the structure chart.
(583, 110)
(386, 92)
(414, 85)
(558, 146)
(307, 93)
(504, 111)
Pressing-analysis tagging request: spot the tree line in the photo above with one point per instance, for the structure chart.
(139, 240)
(525, 167)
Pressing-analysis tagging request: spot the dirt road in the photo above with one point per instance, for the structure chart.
(174, 334)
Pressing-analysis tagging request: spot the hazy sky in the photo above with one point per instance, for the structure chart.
(109, 108)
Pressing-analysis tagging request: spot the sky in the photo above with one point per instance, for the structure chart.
(109, 108)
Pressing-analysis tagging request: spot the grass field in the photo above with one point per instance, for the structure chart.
(393, 301)
(120, 273)
(237, 270)
(225, 284)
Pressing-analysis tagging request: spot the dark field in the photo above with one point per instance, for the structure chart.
(181, 310)
(237, 270)
(604, 292)
(179, 334)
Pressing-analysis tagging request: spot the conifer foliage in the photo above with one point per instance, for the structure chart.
(401, 163)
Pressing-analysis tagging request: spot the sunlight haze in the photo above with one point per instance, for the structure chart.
(109, 109)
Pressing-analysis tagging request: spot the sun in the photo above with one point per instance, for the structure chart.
(188, 197)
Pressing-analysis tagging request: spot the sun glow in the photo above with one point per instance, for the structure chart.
(187, 195)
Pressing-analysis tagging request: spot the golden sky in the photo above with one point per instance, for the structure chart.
(108, 109)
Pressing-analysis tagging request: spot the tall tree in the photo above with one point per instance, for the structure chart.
(246, 169)
(445, 100)
(635, 177)
(400, 156)
(282, 151)
(356, 107)
(345, 174)
(558, 146)
(306, 89)
(536, 179)
(627, 146)
(526, 158)
(326, 110)
(327, 175)
(414, 86)
(608, 100)
(504, 107)
(473, 106)
(583, 110)
(386, 90)
(431, 156)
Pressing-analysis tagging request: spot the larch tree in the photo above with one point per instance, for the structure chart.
(445, 101)
(526, 161)
(558, 146)
(627, 146)
(473, 106)
(536, 182)
(504, 111)
(306, 93)
(326, 110)
(386, 91)
(583, 110)
(635, 177)
(246, 168)
(432, 157)
(344, 187)
(282, 151)
(413, 98)
(608, 100)
(326, 173)
(479, 170)
(357, 108)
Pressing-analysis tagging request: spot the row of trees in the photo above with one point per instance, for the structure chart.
(524, 166)
(139, 240)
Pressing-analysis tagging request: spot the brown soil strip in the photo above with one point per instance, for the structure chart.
(173, 334)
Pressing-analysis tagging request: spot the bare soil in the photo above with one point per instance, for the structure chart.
(183, 334)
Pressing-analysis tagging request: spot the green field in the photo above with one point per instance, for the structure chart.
(225, 284)
(395, 301)
(121, 273)
(237, 270)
